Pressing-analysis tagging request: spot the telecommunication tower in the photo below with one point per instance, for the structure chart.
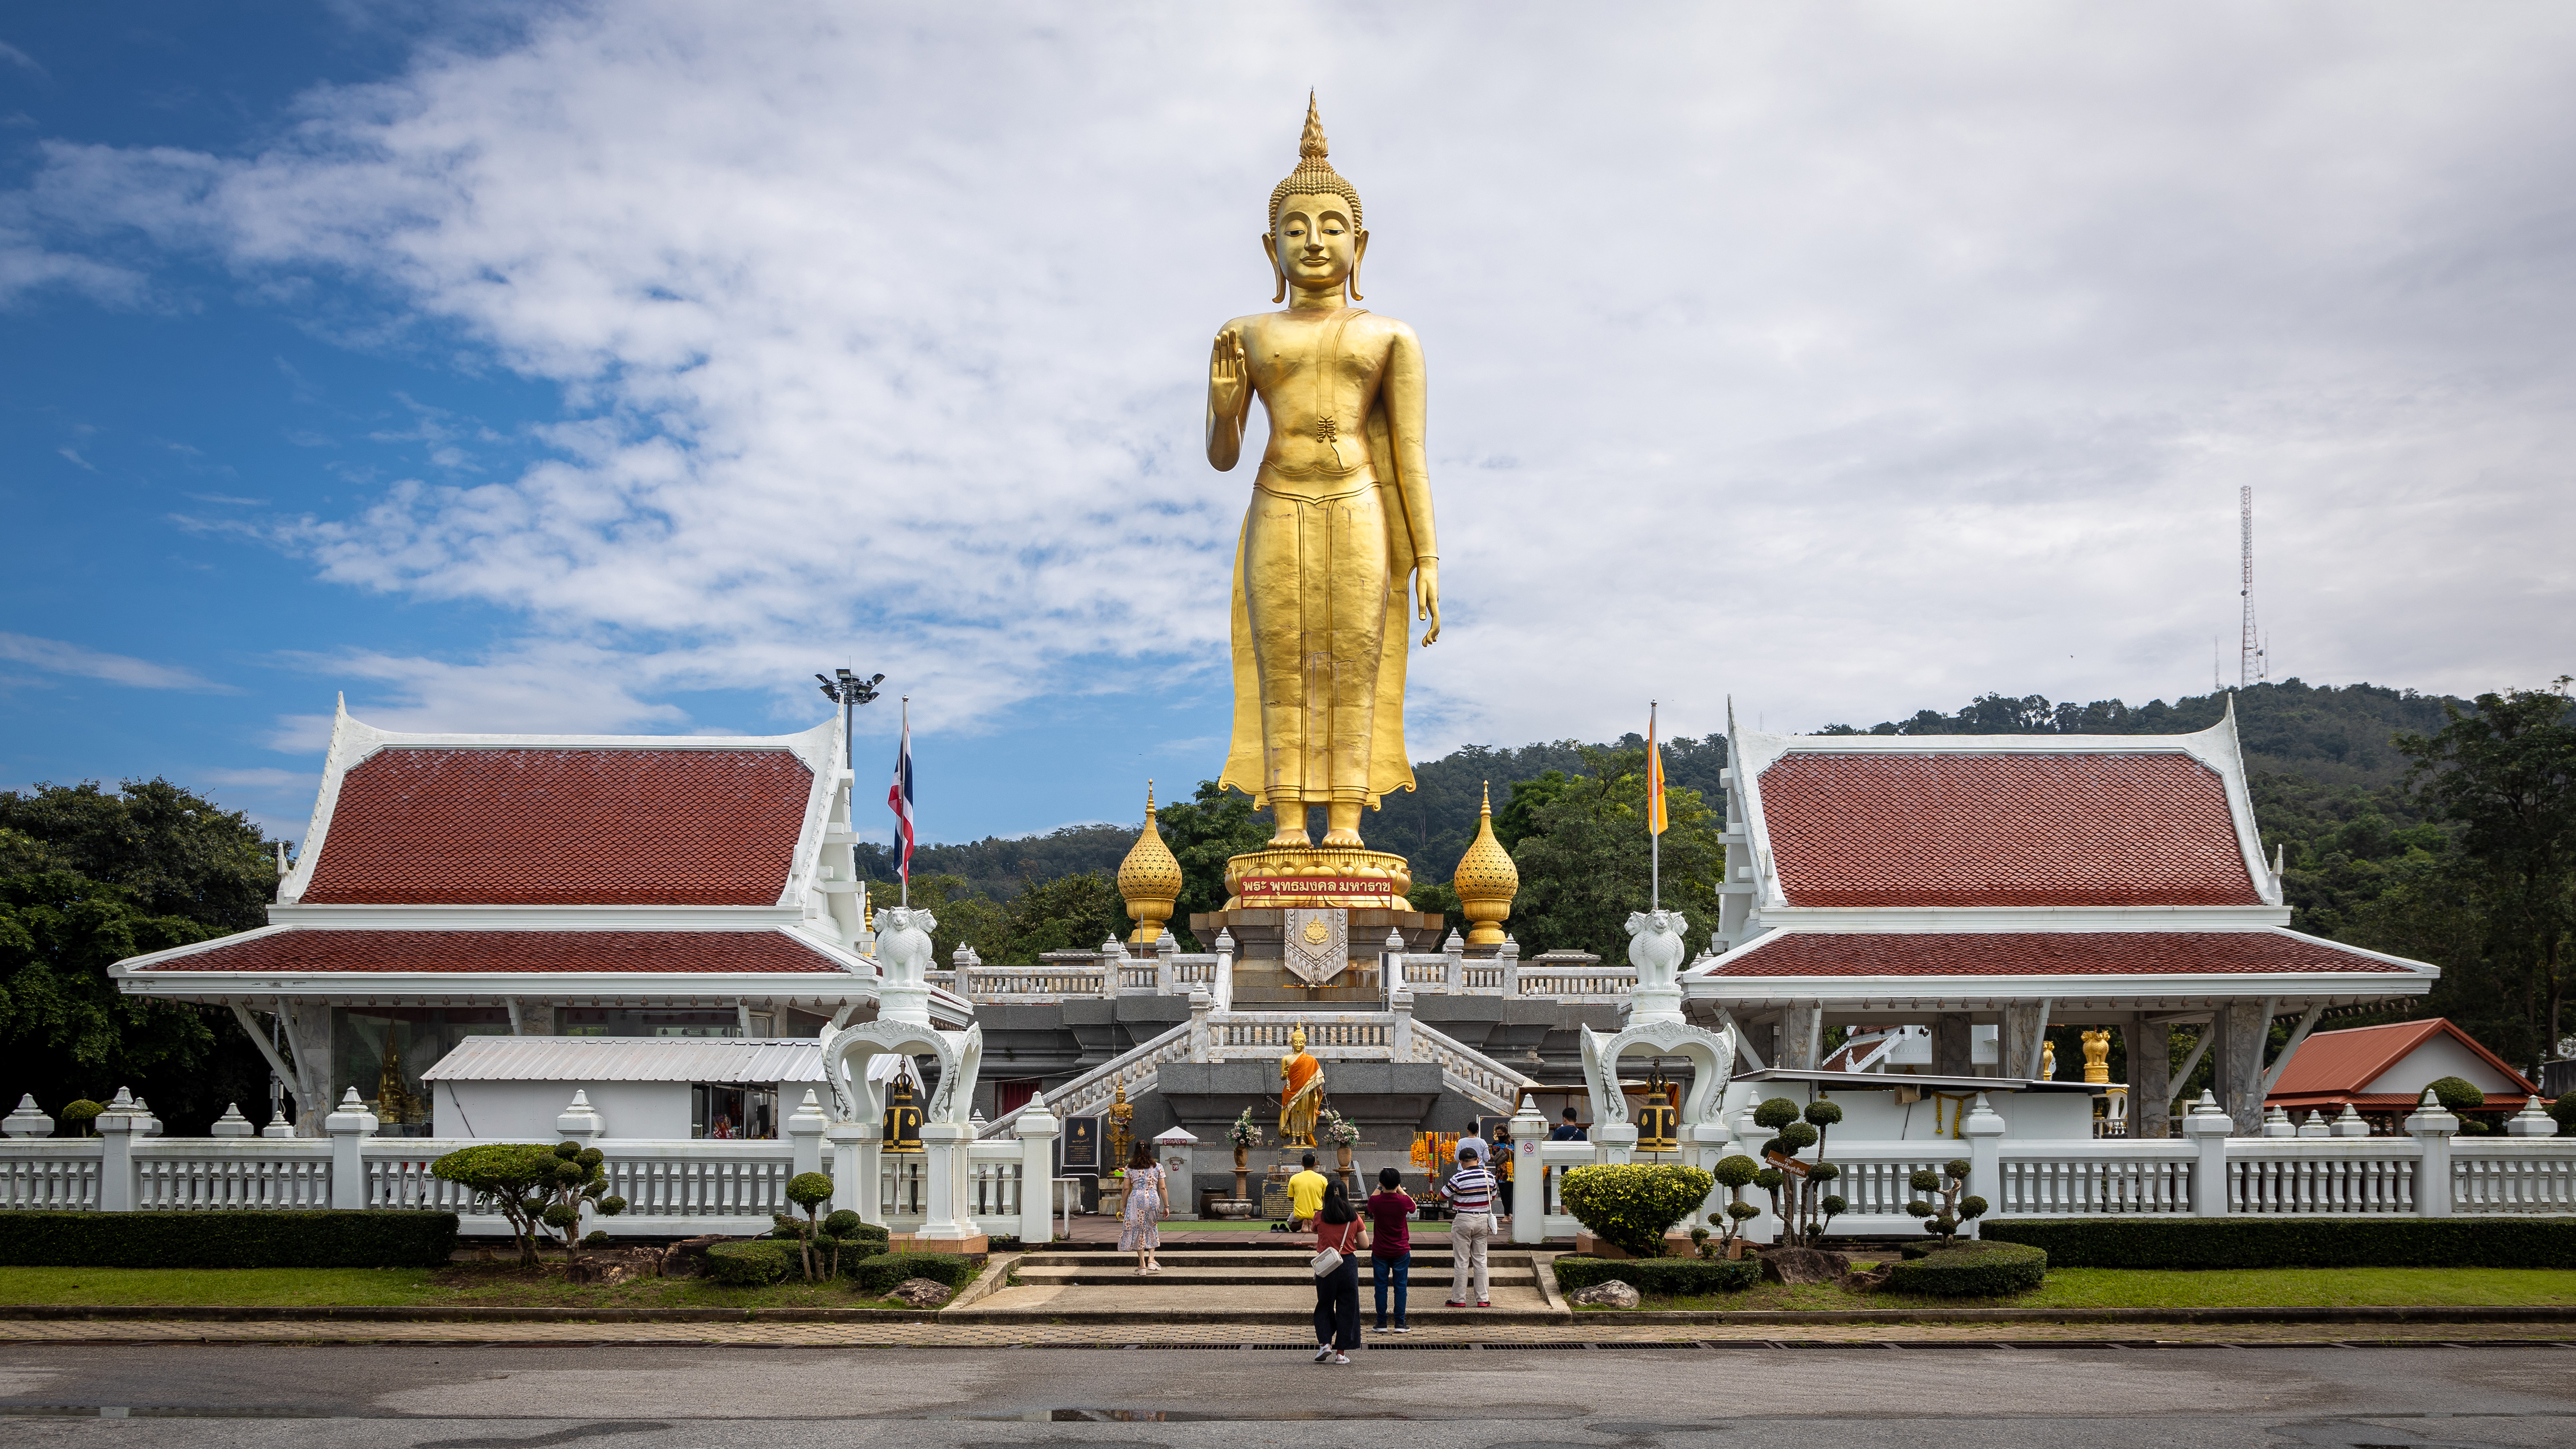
(2250, 663)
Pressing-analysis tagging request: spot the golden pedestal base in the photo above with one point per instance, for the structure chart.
(1315, 876)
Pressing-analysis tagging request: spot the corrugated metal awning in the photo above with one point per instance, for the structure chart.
(628, 1059)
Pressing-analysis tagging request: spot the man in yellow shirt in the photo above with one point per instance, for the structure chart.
(1306, 1196)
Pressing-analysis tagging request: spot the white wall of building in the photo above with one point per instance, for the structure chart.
(526, 1111)
(2441, 1057)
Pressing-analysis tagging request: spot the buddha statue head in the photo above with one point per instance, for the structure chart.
(1297, 1040)
(1316, 238)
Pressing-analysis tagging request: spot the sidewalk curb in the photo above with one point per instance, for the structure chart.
(137, 1312)
(997, 1271)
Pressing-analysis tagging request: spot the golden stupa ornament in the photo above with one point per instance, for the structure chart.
(1337, 556)
(1149, 879)
(1486, 881)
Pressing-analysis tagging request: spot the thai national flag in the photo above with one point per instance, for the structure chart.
(899, 794)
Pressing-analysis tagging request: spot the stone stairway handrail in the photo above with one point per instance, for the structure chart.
(1075, 1098)
(1468, 1070)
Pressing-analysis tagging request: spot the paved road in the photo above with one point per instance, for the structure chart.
(448, 1397)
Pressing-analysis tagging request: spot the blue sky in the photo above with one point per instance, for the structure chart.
(613, 368)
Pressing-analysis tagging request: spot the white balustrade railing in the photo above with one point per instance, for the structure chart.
(2525, 1175)
(2090, 1179)
(1029, 983)
(2307, 1176)
(1576, 983)
(232, 1173)
(994, 1170)
(1272, 1029)
(1876, 1175)
(1463, 1069)
(50, 1175)
(903, 1187)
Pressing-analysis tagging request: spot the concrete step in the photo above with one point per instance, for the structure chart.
(1247, 1257)
(1223, 1278)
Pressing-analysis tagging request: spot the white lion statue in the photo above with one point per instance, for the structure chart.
(1655, 946)
(903, 944)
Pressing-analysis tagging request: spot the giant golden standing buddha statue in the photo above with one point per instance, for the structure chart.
(1336, 544)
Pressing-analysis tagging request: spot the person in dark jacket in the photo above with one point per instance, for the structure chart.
(1337, 1293)
(1569, 1130)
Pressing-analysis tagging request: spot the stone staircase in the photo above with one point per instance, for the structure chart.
(1236, 1283)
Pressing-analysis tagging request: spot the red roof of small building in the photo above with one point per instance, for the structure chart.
(418, 825)
(1949, 828)
(2337, 1065)
(327, 950)
(2038, 953)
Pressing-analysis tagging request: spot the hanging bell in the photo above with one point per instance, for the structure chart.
(902, 1119)
(1659, 1118)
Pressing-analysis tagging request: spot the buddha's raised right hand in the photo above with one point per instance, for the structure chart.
(1229, 376)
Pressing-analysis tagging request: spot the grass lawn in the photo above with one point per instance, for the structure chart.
(2223, 1288)
(460, 1285)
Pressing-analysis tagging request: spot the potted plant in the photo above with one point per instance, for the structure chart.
(1245, 1135)
(1337, 1132)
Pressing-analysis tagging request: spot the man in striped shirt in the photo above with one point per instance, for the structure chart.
(1470, 1192)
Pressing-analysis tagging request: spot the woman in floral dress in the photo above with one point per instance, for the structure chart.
(1147, 1206)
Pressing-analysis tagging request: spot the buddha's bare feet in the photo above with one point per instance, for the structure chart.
(1290, 837)
(1343, 836)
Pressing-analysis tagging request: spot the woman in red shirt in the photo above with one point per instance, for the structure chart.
(1390, 1213)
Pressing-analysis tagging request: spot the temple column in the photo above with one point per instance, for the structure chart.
(1801, 1038)
(2150, 1050)
(2244, 1028)
(1953, 1053)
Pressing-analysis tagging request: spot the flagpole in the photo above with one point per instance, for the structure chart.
(903, 891)
(1657, 836)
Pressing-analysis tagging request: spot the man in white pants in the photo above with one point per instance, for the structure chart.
(1470, 1192)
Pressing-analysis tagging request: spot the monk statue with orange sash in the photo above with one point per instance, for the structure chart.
(1301, 1092)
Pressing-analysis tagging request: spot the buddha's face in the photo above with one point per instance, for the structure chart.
(1313, 239)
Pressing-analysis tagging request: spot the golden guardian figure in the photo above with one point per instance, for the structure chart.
(1338, 536)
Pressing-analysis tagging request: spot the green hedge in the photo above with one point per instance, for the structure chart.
(2295, 1242)
(1665, 1277)
(1971, 1270)
(370, 1239)
(763, 1261)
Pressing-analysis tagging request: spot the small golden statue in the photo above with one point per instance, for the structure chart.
(394, 1101)
(1338, 531)
(1301, 1094)
(1121, 1112)
(2097, 1055)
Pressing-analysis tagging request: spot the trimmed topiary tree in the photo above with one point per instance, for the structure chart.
(1943, 1221)
(1631, 1205)
(2457, 1094)
(1799, 1196)
(1734, 1174)
(533, 1188)
(2564, 1109)
(77, 1117)
(808, 1190)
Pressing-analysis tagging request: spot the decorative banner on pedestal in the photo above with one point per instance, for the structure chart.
(1318, 944)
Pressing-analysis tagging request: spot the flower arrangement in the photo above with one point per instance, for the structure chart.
(1244, 1133)
(1335, 1130)
(1434, 1152)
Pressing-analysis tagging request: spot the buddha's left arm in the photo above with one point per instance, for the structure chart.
(1404, 393)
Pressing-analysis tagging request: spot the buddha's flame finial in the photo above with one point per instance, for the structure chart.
(1312, 145)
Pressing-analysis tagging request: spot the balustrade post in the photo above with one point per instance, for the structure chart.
(1221, 989)
(1201, 1046)
(1399, 1037)
(2208, 1127)
(949, 1173)
(1509, 958)
(117, 1128)
(849, 1189)
(349, 1128)
(2533, 1121)
(1165, 968)
(1985, 1128)
(1529, 1175)
(1617, 1141)
(2432, 1126)
(29, 1121)
(1036, 1129)
(805, 1129)
(867, 1141)
(580, 1121)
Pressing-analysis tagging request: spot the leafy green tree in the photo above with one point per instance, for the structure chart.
(1203, 833)
(1069, 913)
(2506, 776)
(174, 852)
(534, 1187)
(1583, 856)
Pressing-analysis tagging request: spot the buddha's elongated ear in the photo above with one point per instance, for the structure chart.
(1278, 274)
(1359, 254)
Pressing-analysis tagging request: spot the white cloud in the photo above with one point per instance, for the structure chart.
(1846, 359)
(54, 656)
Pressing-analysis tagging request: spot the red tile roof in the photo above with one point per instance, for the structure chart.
(2039, 953)
(1955, 829)
(326, 950)
(2338, 1064)
(469, 826)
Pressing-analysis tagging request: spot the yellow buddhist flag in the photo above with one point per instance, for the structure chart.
(1654, 777)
